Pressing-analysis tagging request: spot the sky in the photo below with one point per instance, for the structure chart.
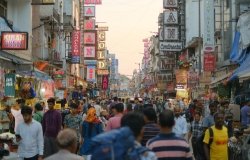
(129, 22)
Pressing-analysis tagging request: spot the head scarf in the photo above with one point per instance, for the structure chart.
(91, 115)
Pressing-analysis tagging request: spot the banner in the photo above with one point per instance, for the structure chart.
(105, 82)
(209, 62)
(76, 46)
(9, 89)
(91, 73)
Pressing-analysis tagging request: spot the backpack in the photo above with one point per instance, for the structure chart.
(199, 143)
(118, 144)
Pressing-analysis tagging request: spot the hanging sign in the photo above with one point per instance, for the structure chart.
(89, 38)
(100, 55)
(75, 48)
(171, 33)
(89, 52)
(170, 46)
(91, 73)
(105, 82)
(170, 17)
(208, 39)
(170, 4)
(102, 64)
(89, 11)
(14, 41)
(101, 46)
(101, 35)
(9, 89)
(42, 2)
(209, 62)
(89, 24)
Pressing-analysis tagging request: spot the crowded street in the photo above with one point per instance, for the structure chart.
(125, 80)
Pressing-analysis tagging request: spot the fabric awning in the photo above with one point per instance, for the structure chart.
(218, 80)
(244, 76)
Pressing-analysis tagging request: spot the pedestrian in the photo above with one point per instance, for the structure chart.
(67, 144)
(209, 120)
(73, 121)
(52, 124)
(196, 130)
(91, 127)
(38, 114)
(167, 145)
(114, 122)
(29, 136)
(245, 111)
(180, 127)
(217, 148)
(16, 111)
(151, 128)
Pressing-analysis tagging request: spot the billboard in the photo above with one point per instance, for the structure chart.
(208, 39)
(14, 41)
(91, 74)
(89, 52)
(76, 46)
(170, 16)
(89, 11)
(89, 38)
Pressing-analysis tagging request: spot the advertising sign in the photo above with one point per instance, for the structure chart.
(89, 11)
(102, 72)
(209, 62)
(208, 39)
(171, 33)
(167, 77)
(100, 55)
(170, 4)
(89, 24)
(75, 48)
(102, 65)
(101, 35)
(103, 28)
(170, 16)
(101, 46)
(95, 2)
(181, 76)
(170, 46)
(161, 34)
(105, 82)
(91, 73)
(89, 38)
(90, 62)
(14, 41)
(9, 89)
(89, 52)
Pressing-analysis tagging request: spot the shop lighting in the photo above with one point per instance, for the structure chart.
(43, 90)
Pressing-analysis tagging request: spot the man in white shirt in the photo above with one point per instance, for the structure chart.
(29, 136)
(180, 128)
(16, 111)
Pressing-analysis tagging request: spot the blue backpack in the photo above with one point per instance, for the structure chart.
(118, 144)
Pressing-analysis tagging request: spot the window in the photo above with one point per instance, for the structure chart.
(3, 8)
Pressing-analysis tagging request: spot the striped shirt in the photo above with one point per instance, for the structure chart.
(170, 147)
(150, 131)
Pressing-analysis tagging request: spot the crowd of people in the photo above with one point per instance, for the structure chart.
(160, 129)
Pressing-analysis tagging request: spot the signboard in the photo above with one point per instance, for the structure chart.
(59, 74)
(9, 89)
(102, 65)
(105, 82)
(170, 4)
(14, 41)
(100, 55)
(89, 11)
(89, 52)
(209, 62)
(89, 38)
(91, 73)
(95, 2)
(170, 16)
(75, 48)
(161, 34)
(103, 28)
(101, 46)
(165, 77)
(166, 64)
(208, 39)
(102, 72)
(101, 35)
(89, 24)
(171, 33)
(181, 76)
(43, 2)
(170, 46)
(90, 62)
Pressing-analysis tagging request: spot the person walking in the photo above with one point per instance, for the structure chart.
(29, 136)
(67, 143)
(16, 111)
(218, 148)
(114, 122)
(38, 114)
(209, 120)
(167, 145)
(52, 124)
(180, 127)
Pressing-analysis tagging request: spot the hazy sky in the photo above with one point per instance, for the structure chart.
(129, 22)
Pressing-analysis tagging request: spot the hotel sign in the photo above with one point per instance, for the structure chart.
(170, 46)
(14, 41)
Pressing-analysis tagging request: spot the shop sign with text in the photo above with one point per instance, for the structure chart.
(102, 72)
(9, 89)
(89, 11)
(170, 16)
(102, 64)
(208, 39)
(170, 46)
(101, 36)
(90, 62)
(105, 82)
(171, 33)
(75, 48)
(91, 73)
(209, 62)
(89, 24)
(100, 55)
(89, 52)
(14, 41)
(94, 2)
(89, 38)
(101, 46)
(170, 3)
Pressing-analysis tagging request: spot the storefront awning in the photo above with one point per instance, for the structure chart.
(218, 80)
